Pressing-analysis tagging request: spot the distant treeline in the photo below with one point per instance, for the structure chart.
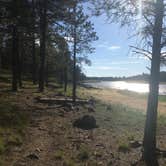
(141, 77)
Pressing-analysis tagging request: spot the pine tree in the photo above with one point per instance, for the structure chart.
(82, 34)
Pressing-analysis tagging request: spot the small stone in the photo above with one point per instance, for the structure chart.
(32, 156)
(100, 163)
(135, 144)
(38, 150)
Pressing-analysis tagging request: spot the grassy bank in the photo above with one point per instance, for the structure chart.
(124, 97)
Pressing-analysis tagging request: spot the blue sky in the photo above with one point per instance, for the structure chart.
(112, 56)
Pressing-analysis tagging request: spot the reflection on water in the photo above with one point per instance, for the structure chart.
(122, 85)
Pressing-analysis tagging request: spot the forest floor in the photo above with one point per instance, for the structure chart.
(36, 134)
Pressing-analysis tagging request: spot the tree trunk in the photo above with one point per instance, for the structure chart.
(43, 12)
(46, 75)
(74, 73)
(1, 50)
(65, 79)
(151, 119)
(34, 64)
(20, 61)
(15, 57)
(74, 60)
(34, 73)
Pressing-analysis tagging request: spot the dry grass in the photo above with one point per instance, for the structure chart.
(130, 99)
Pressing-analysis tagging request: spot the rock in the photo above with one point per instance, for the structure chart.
(135, 144)
(38, 150)
(87, 122)
(100, 145)
(32, 156)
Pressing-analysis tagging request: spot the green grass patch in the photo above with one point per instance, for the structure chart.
(121, 115)
(2, 146)
(120, 120)
(11, 116)
(83, 154)
(59, 155)
(15, 140)
(124, 147)
(13, 121)
(69, 162)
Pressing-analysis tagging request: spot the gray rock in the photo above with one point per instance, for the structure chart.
(135, 144)
(87, 122)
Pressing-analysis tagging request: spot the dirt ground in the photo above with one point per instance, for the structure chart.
(51, 140)
(50, 133)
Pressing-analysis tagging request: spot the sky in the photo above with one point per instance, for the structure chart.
(112, 56)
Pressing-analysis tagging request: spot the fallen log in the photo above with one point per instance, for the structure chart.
(60, 100)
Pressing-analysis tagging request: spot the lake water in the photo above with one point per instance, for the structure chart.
(123, 85)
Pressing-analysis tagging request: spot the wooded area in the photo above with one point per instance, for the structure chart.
(41, 40)
(47, 41)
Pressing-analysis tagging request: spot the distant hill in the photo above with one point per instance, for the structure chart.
(141, 77)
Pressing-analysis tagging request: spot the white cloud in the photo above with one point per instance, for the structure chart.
(114, 47)
(106, 45)
(125, 62)
(118, 62)
(105, 68)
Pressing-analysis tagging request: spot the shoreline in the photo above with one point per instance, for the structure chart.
(98, 85)
(127, 98)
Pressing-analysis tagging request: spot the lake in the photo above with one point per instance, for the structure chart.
(123, 85)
